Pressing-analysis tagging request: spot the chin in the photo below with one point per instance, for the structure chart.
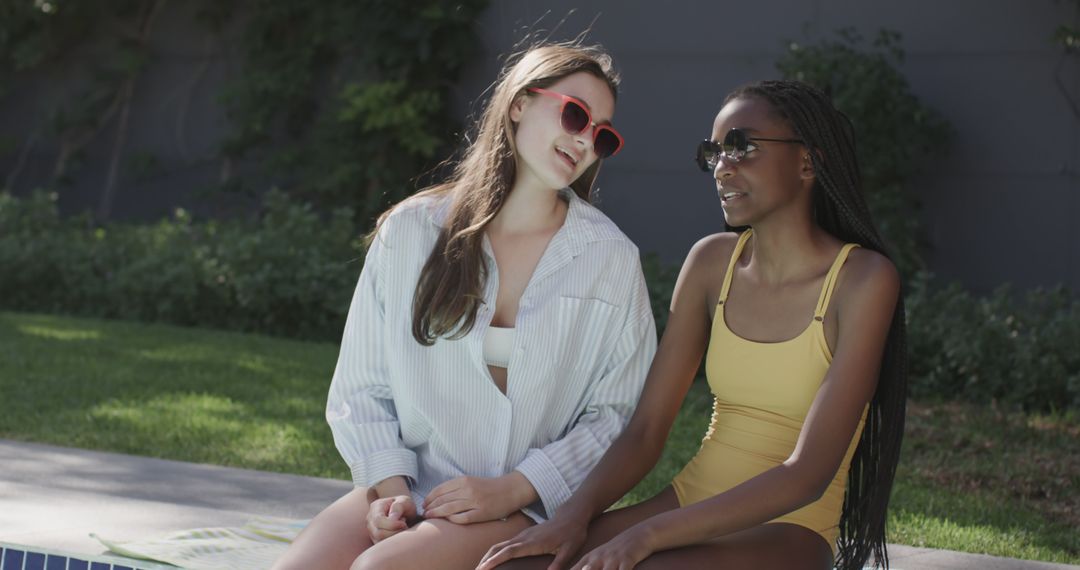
(735, 221)
(560, 181)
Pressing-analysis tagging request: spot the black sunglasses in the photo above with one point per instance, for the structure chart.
(735, 145)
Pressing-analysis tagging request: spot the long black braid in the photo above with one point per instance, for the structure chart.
(841, 210)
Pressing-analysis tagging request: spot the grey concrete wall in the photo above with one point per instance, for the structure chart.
(176, 118)
(999, 208)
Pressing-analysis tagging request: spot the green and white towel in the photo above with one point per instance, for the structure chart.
(254, 546)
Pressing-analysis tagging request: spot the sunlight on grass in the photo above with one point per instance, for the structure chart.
(169, 413)
(253, 363)
(55, 333)
(933, 532)
(971, 478)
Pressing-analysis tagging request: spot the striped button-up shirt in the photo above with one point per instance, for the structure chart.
(585, 339)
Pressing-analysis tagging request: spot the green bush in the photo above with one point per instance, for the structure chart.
(896, 133)
(289, 272)
(1012, 348)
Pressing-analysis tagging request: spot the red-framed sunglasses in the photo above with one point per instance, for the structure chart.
(575, 118)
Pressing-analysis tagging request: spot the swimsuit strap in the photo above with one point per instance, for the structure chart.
(743, 238)
(830, 281)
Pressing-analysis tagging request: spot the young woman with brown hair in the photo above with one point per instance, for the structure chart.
(498, 338)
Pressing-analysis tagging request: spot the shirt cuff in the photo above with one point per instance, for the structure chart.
(546, 479)
(380, 465)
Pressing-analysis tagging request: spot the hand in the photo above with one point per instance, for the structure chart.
(389, 515)
(467, 500)
(623, 552)
(561, 537)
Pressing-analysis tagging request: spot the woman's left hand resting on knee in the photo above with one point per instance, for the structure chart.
(623, 552)
(467, 500)
(390, 515)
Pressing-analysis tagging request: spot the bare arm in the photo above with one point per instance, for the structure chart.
(865, 310)
(637, 449)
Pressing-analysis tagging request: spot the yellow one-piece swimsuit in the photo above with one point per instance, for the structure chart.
(763, 392)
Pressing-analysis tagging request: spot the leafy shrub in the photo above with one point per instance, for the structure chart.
(894, 131)
(1018, 349)
(290, 272)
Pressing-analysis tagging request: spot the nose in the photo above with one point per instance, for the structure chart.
(725, 168)
(584, 139)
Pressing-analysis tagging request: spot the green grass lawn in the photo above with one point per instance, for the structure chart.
(972, 478)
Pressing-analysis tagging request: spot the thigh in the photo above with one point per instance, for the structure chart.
(606, 527)
(773, 546)
(333, 539)
(439, 543)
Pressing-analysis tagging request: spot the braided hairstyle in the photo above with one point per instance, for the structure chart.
(839, 208)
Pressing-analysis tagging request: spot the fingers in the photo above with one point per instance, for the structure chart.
(497, 554)
(562, 558)
(442, 489)
(398, 508)
(505, 552)
(378, 535)
(380, 507)
(449, 496)
(587, 563)
(448, 509)
(450, 490)
(465, 517)
(380, 525)
(381, 528)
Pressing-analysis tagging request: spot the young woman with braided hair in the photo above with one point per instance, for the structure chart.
(796, 468)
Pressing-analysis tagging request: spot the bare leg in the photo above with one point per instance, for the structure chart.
(438, 543)
(333, 539)
(774, 546)
(781, 546)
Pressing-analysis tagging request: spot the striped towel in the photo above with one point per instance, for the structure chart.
(253, 546)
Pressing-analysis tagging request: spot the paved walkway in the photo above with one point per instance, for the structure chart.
(53, 497)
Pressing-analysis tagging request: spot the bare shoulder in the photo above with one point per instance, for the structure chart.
(869, 278)
(709, 253)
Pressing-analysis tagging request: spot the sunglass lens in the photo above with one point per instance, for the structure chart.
(734, 145)
(706, 156)
(606, 143)
(574, 117)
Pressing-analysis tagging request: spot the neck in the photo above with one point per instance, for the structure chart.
(528, 210)
(784, 250)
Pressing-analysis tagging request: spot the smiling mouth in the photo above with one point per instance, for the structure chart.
(728, 196)
(568, 156)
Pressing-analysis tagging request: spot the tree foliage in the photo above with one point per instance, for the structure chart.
(340, 103)
(896, 134)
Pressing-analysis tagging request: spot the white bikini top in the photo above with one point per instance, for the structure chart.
(498, 344)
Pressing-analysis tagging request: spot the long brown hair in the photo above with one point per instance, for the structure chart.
(841, 210)
(449, 291)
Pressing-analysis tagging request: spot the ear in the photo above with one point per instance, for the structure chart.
(517, 107)
(806, 168)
